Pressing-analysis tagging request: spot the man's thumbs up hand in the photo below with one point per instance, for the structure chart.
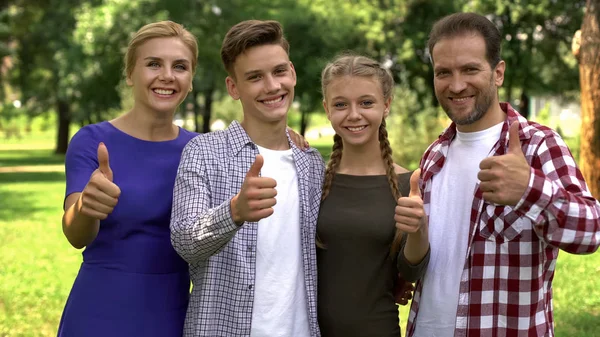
(504, 179)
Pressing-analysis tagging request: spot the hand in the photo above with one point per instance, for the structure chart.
(257, 196)
(298, 139)
(504, 179)
(410, 214)
(100, 195)
(403, 291)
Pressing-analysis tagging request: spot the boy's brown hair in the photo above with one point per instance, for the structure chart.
(248, 34)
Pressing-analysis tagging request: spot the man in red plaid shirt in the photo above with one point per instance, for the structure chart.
(503, 195)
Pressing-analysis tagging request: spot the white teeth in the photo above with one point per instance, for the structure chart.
(356, 129)
(273, 101)
(462, 99)
(163, 92)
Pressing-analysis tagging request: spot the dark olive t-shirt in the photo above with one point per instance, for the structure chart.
(356, 273)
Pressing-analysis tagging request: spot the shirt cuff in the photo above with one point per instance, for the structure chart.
(223, 216)
(412, 272)
(537, 196)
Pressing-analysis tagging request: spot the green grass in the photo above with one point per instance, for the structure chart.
(38, 266)
(30, 157)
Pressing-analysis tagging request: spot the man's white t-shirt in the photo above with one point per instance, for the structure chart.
(280, 301)
(449, 224)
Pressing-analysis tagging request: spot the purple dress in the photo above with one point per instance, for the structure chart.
(131, 281)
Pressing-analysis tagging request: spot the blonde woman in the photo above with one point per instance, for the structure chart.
(120, 177)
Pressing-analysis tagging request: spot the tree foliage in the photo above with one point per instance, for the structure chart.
(69, 53)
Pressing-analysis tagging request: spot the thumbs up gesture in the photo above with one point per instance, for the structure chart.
(410, 214)
(504, 179)
(256, 198)
(100, 195)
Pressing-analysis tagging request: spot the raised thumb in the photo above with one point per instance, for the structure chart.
(514, 143)
(103, 163)
(254, 170)
(414, 184)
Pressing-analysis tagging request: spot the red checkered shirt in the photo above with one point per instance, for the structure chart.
(506, 283)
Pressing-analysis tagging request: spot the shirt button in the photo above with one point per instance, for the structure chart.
(250, 287)
(250, 248)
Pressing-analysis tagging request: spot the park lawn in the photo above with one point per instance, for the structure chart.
(38, 266)
(36, 262)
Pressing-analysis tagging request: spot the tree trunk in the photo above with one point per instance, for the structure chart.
(589, 76)
(524, 104)
(64, 121)
(303, 122)
(208, 100)
(509, 89)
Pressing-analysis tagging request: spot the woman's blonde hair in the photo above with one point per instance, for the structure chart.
(160, 29)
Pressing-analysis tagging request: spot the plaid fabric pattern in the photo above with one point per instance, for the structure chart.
(506, 284)
(222, 256)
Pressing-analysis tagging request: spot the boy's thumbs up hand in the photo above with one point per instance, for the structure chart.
(256, 198)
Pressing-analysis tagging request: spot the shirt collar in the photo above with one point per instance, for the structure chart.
(238, 137)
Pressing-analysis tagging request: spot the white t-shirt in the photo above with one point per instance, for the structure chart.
(280, 301)
(449, 224)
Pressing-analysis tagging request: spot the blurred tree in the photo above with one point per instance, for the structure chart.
(318, 30)
(412, 63)
(537, 36)
(104, 29)
(102, 32)
(5, 36)
(69, 53)
(47, 59)
(587, 49)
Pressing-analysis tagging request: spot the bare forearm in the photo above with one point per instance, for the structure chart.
(417, 245)
(79, 229)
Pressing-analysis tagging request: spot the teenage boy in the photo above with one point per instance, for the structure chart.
(246, 201)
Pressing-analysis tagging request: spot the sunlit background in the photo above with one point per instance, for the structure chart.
(61, 68)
